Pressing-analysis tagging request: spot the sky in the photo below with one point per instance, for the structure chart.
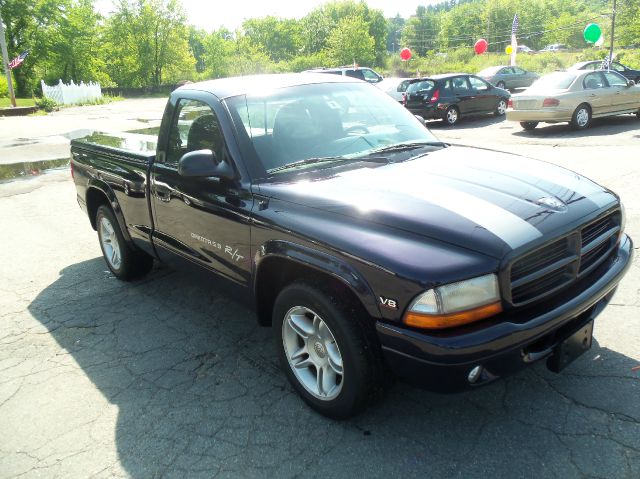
(211, 14)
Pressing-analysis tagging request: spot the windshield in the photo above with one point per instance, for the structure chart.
(422, 86)
(555, 81)
(489, 71)
(331, 121)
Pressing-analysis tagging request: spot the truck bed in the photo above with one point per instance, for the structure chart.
(135, 146)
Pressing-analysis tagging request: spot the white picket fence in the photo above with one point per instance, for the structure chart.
(72, 94)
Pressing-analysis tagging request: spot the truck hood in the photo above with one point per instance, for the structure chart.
(483, 200)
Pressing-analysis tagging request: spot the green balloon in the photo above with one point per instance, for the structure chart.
(592, 32)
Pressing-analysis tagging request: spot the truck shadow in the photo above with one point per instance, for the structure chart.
(198, 392)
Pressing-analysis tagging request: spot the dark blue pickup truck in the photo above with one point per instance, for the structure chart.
(373, 249)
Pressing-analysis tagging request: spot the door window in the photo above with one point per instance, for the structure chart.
(593, 81)
(615, 79)
(478, 84)
(518, 71)
(617, 67)
(355, 74)
(461, 85)
(370, 76)
(195, 127)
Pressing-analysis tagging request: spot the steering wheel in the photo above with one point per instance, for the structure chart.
(357, 129)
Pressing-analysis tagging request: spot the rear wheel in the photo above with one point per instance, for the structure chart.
(501, 107)
(325, 350)
(528, 125)
(122, 259)
(581, 117)
(451, 116)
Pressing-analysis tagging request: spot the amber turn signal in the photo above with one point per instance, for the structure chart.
(441, 321)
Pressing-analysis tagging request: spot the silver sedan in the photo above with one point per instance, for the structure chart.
(507, 77)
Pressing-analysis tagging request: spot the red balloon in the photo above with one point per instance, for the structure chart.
(405, 54)
(481, 46)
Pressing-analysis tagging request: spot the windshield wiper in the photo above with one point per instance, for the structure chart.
(407, 146)
(323, 159)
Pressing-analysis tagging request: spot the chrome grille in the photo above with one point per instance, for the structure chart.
(558, 264)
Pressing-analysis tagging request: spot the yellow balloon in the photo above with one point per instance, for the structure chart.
(508, 50)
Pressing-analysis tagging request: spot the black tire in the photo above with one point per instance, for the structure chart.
(360, 353)
(528, 125)
(638, 114)
(501, 107)
(451, 116)
(132, 263)
(501, 84)
(578, 119)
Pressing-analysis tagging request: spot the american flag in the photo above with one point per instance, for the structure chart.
(606, 63)
(17, 61)
(515, 24)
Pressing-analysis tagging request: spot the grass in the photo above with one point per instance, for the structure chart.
(6, 102)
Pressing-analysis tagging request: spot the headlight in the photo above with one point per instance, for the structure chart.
(455, 304)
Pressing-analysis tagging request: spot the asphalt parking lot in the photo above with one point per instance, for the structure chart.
(165, 377)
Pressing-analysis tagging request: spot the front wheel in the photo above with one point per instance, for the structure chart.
(581, 117)
(528, 125)
(451, 116)
(122, 259)
(501, 108)
(325, 351)
(502, 85)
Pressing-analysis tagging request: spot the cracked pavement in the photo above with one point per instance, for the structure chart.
(166, 377)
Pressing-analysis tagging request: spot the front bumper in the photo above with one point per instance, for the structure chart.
(441, 361)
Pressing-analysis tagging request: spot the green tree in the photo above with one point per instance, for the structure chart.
(28, 24)
(280, 38)
(350, 41)
(74, 46)
(148, 43)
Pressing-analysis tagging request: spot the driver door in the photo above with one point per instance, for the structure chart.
(204, 221)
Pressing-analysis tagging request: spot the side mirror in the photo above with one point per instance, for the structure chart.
(630, 83)
(203, 164)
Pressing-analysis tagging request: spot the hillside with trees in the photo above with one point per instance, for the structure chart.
(149, 43)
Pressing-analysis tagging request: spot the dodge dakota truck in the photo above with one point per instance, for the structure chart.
(372, 249)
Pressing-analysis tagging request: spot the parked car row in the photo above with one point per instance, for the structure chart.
(576, 96)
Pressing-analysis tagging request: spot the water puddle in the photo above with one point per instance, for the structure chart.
(30, 169)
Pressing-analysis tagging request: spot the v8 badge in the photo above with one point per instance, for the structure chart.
(388, 303)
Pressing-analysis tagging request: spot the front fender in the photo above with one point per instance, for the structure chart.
(321, 262)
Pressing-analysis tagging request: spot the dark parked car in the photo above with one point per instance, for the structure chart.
(625, 71)
(361, 73)
(453, 95)
(508, 77)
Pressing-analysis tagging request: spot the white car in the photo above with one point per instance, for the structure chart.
(394, 87)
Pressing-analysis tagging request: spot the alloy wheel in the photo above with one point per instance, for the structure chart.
(110, 244)
(312, 352)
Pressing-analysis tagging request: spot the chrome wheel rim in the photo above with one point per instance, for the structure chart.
(312, 353)
(500, 85)
(502, 107)
(582, 117)
(452, 116)
(110, 245)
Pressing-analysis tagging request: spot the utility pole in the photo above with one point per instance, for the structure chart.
(5, 63)
(613, 27)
